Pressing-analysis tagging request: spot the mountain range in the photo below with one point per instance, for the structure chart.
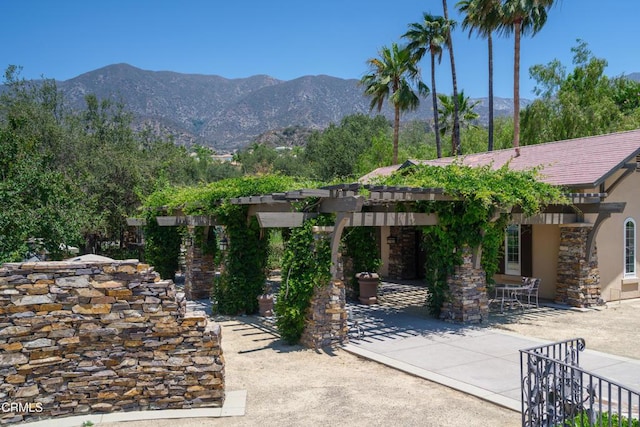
(227, 114)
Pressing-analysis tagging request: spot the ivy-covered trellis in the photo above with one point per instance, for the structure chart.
(243, 265)
(461, 209)
(476, 218)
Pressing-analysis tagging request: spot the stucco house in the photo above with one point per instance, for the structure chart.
(582, 253)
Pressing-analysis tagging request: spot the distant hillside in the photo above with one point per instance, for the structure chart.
(229, 113)
(633, 76)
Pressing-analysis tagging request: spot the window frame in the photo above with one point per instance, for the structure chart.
(518, 235)
(626, 272)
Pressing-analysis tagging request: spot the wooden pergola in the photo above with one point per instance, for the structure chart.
(357, 205)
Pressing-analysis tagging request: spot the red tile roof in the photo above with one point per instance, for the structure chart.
(578, 163)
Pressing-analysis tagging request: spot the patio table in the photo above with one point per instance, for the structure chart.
(508, 293)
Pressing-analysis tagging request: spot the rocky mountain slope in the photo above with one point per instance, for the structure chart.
(229, 113)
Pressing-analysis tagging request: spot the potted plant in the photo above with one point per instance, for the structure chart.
(361, 249)
(368, 283)
(265, 302)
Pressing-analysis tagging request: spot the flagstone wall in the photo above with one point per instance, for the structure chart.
(80, 338)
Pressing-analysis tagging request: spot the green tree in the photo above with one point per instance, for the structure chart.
(390, 78)
(333, 153)
(483, 17)
(474, 139)
(521, 17)
(467, 115)
(429, 35)
(39, 202)
(581, 103)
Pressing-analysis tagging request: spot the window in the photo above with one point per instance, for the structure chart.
(629, 248)
(512, 250)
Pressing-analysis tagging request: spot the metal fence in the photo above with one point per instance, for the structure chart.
(557, 392)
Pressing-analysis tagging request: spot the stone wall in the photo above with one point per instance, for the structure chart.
(578, 283)
(80, 337)
(468, 293)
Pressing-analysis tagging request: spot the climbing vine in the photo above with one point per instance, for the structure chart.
(360, 246)
(162, 246)
(306, 265)
(477, 218)
(243, 265)
(243, 276)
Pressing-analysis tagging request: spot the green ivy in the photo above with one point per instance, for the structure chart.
(243, 276)
(306, 265)
(208, 243)
(361, 247)
(477, 220)
(162, 246)
(243, 266)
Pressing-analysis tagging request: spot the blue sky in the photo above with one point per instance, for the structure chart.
(287, 39)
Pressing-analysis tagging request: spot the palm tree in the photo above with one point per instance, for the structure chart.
(390, 77)
(429, 35)
(466, 113)
(521, 17)
(483, 16)
(454, 79)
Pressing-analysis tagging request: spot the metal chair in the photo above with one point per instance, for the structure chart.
(529, 290)
(534, 286)
(353, 324)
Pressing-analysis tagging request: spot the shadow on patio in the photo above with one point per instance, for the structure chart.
(401, 312)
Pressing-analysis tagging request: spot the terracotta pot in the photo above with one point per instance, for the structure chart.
(265, 303)
(368, 287)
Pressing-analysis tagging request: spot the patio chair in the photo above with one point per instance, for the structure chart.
(529, 290)
(534, 286)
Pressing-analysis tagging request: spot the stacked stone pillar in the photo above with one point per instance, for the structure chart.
(468, 293)
(326, 319)
(200, 267)
(401, 260)
(578, 282)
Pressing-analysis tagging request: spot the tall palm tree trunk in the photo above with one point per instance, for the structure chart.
(516, 88)
(490, 47)
(434, 97)
(396, 133)
(455, 135)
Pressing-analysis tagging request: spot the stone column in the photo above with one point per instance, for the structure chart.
(200, 267)
(468, 293)
(326, 319)
(402, 253)
(578, 282)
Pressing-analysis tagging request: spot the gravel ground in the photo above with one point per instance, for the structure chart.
(610, 329)
(293, 386)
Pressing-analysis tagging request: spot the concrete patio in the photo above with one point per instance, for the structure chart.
(482, 360)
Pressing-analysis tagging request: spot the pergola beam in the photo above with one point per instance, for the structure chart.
(545, 218)
(190, 220)
(392, 219)
(283, 219)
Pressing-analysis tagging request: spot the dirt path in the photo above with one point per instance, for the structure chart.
(292, 386)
